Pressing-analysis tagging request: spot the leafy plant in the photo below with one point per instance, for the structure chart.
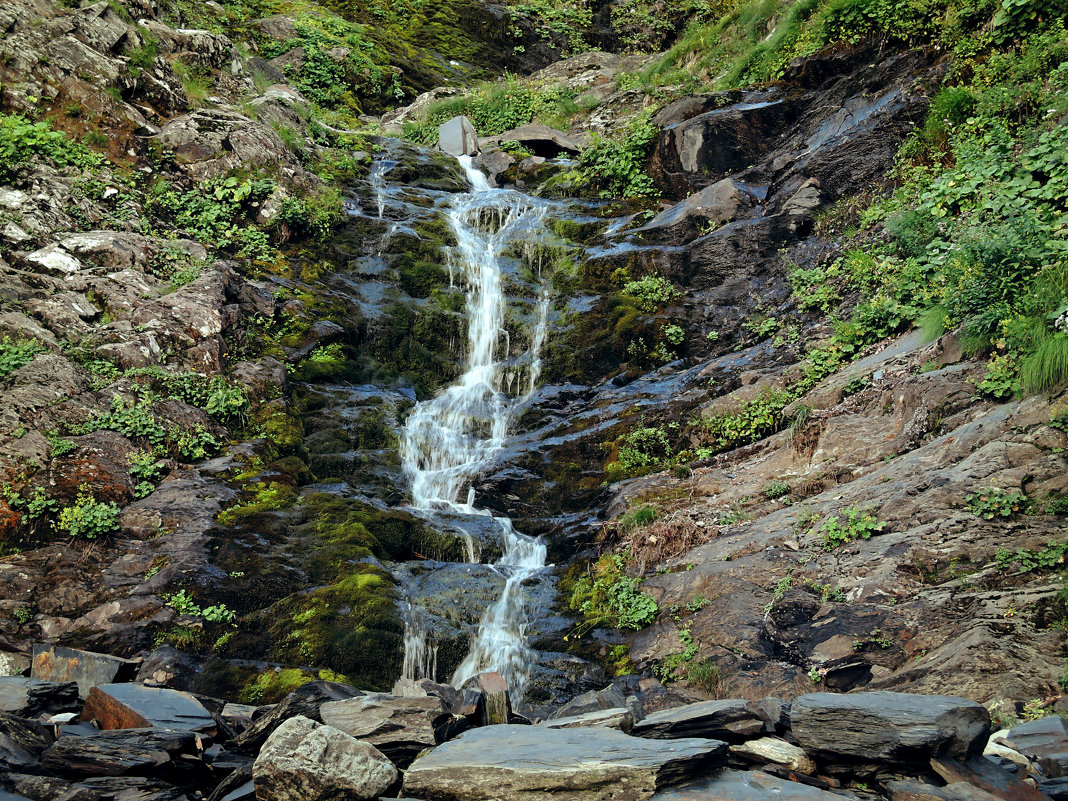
(775, 489)
(1050, 557)
(608, 596)
(858, 525)
(21, 141)
(617, 165)
(994, 502)
(88, 517)
(17, 354)
(651, 292)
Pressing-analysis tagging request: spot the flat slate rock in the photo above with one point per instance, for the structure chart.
(88, 669)
(987, 776)
(910, 790)
(732, 720)
(618, 718)
(135, 706)
(735, 785)
(888, 726)
(1045, 740)
(303, 701)
(536, 763)
(595, 700)
(122, 752)
(131, 788)
(398, 726)
(29, 697)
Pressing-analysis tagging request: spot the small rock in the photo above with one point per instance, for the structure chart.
(86, 668)
(400, 727)
(780, 752)
(608, 698)
(731, 720)
(306, 761)
(133, 706)
(618, 718)
(458, 137)
(33, 697)
(733, 785)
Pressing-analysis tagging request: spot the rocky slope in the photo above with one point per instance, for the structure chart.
(218, 308)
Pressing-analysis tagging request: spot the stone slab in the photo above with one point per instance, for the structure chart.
(88, 669)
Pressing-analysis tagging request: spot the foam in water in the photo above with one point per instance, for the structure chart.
(449, 440)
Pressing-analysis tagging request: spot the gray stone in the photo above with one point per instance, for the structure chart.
(541, 140)
(32, 697)
(121, 752)
(608, 698)
(772, 749)
(731, 720)
(536, 763)
(306, 761)
(13, 664)
(458, 137)
(399, 726)
(776, 713)
(129, 706)
(888, 726)
(618, 718)
(733, 785)
(716, 204)
(304, 701)
(88, 669)
(910, 790)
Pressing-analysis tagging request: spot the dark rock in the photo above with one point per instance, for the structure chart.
(399, 727)
(733, 785)
(888, 726)
(21, 743)
(910, 790)
(471, 705)
(122, 752)
(306, 761)
(1044, 740)
(135, 706)
(730, 720)
(166, 666)
(535, 762)
(618, 718)
(88, 669)
(984, 774)
(775, 712)
(130, 788)
(32, 697)
(610, 697)
(237, 784)
(304, 701)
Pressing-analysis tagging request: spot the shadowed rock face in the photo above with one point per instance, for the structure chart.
(537, 763)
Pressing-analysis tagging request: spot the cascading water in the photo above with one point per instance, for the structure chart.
(449, 440)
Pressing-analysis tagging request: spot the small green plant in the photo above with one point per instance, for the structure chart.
(1049, 558)
(636, 518)
(775, 489)
(994, 502)
(815, 676)
(60, 446)
(608, 596)
(184, 604)
(858, 525)
(88, 517)
(16, 354)
(651, 292)
(781, 588)
(1000, 380)
(23, 615)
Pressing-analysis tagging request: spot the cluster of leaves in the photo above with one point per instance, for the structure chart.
(641, 449)
(994, 502)
(1049, 558)
(608, 596)
(134, 420)
(15, 354)
(22, 141)
(859, 524)
(214, 216)
(88, 517)
(651, 292)
(184, 604)
(616, 165)
(314, 215)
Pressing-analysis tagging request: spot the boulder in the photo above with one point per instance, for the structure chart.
(122, 752)
(595, 700)
(888, 726)
(134, 706)
(303, 701)
(541, 140)
(458, 137)
(733, 785)
(731, 720)
(31, 697)
(399, 727)
(1044, 740)
(532, 763)
(21, 743)
(721, 202)
(306, 761)
(911, 790)
(88, 669)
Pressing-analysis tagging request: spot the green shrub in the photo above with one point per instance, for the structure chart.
(651, 292)
(88, 517)
(858, 525)
(616, 165)
(775, 489)
(17, 354)
(21, 141)
(607, 596)
(1050, 557)
(636, 518)
(995, 502)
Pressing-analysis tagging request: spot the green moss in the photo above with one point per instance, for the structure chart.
(419, 278)
(281, 426)
(266, 497)
(271, 686)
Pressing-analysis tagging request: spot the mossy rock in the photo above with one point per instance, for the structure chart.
(280, 425)
(351, 626)
(420, 278)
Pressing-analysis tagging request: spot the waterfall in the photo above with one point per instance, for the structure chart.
(449, 440)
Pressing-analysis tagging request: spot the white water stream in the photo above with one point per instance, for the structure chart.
(449, 440)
